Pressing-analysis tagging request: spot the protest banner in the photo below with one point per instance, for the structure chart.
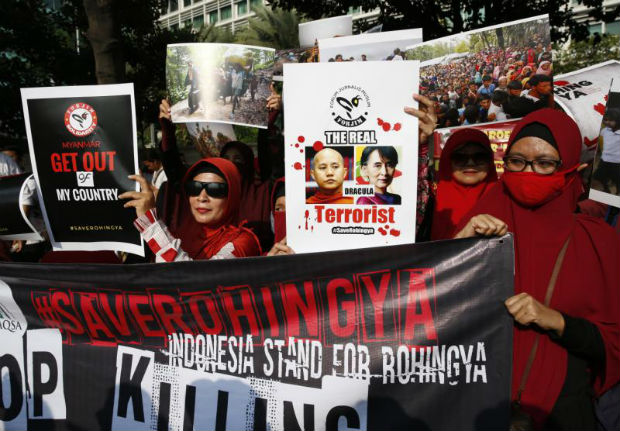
(219, 82)
(498, 132)
(605, 180)
(83, 146)
(340, 192)
(405, 337)
(14, 223)
(310, 32)
(516, 50)
(389, 45)
(583, 95)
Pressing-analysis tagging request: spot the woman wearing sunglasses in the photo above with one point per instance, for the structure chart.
(466, 172)
(212, 187)
(567, 278)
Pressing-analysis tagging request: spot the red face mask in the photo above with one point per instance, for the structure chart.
(279, 225)
(531, 189)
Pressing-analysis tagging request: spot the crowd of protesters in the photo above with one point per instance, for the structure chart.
(491, 85)
(231, 204)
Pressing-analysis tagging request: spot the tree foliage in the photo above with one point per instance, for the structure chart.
(271, 27)
(578, 55)
(444, 17)
(39, 49)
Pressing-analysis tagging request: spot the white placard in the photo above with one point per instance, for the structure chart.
(583, 95)
(312, 31)
(369, 46)
(333, 112)
(605, 184)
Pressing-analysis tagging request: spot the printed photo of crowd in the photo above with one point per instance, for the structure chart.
(488, 75)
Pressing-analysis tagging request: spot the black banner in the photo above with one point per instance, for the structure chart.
(13, 223)
(83, 149)
(404, 337)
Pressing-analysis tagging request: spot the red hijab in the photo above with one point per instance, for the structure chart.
(254, 205)
(588, 285)
(203, 242)
(279, 217)
(454, 200)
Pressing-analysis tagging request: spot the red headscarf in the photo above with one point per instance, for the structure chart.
(279, 217)
(454, 200)
(588, 285)
(202, 242)
(254, 204)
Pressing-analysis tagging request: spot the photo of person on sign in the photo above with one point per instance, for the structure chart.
(378, 166)
(329, 170)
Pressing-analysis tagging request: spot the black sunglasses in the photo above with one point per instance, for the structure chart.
(462, 159)
(214, 190)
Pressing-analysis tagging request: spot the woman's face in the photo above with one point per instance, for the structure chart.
(206, 209)
(379, 171)
(533, 148)
(612, 124)
(234, 155)
(470, 164)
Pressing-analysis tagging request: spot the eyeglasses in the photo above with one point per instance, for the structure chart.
(214, 190)
(540, 166)
(462, 159)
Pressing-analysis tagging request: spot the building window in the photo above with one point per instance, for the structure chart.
(199, 21)
(213, 17)
(174, 5)
(226, 13)
(255, 3)
(175, 26)
(612, 27)
(242, 8)
(187, 23)
(595, 28)
(187, 3)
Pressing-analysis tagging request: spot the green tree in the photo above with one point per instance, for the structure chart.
(271, 27)
(578, 55)
(212, 34)
(39, 49)
(444, 17)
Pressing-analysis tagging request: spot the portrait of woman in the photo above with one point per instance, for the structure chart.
(378, 165)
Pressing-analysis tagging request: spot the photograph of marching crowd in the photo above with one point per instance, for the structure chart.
(487, 75)
(523, 262)
(219, 82)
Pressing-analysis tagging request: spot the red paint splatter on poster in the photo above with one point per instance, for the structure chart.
(386, 126)
(298, 166)
(379, 121)
(307, 216)
(301, 139)
(318, 146)
(397, 127)
(590, 142)
(382, 231)
(395, 232)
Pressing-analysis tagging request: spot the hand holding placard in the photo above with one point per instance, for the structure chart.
(143, 200)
